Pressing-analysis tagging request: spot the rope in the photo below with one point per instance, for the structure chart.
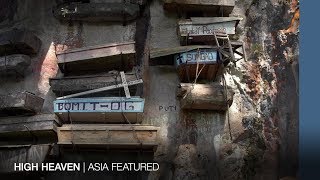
(225, 92)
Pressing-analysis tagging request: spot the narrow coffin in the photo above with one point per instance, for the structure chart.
(205, 96)
(100, 110)
(22, 103)
(110, 136)
(201, 64)
(201, 29)
(103, 58)
(97, 12)
(19, 41)
(218, 7)
(14, 64)
(71, 85)
(29, 127)
(22, 154)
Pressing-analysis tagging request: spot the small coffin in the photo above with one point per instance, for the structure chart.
(103, 58)
(23, 103)
(186, 64)
(218, 7)
(97, 12)
(205, 96)
(19, 42)
(22, 154)
(201, 29)
(100, 110)
(71, 85)
(110, 136)
(21, 128)
(14, 64)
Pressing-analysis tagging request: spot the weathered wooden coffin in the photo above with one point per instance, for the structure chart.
(22, 154)
(165, 56)
(100, 110)
(219, 7)
(186, 64)
(19, 41)
(71, 85)
(14, 64)
(22, 103)
(97, 12)
(102, 58)
(201, 29)
(28, 126)
(205, 96)
(110, 136)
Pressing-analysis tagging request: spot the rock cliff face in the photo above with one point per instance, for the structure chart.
(256, 139)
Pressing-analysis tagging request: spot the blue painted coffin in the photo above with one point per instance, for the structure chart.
(100, 109)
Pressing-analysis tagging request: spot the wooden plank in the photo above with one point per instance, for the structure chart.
(24, 127)
(202, 29)
(217, 7)
(72, 85)
(18, 41)
(204, 96)
(28, 154)
(187, 73)
(97, 12)
(120, 136)
(100, 110)
(22, 103)
(125, 84)
(14, 64)
(165, 56)
(101, 89)
(102, 58)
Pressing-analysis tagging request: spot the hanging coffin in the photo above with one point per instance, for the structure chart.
(24, 103)
(19, 42)
(97, 12)
(218, 7)
(22, 154)
(203, 62)
(201, 29)
(14, 64)
(205, 96)
(109, 136)
(21, 130)
(71, 85)
(103, 58)
(100, 110)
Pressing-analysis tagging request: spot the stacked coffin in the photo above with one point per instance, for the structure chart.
(16, 47)
(205, 47)
(99, 101)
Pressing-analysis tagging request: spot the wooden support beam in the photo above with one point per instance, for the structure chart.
(111, 136)
(19, 41)
(204, 96)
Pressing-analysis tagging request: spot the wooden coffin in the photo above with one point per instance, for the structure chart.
(100, 110)
(71, 85)
(218, 7)
(109, 136)
(186, 64)
(14, 64)
(165, 56)
(201, 29)
(22, 103)
(22, 154)
(204, 96)
(102, 58)
(19, 42)
(23, 128)
(97, 12)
